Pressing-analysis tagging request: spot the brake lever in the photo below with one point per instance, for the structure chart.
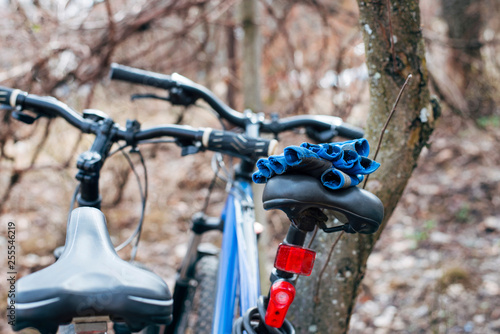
(188, 147)
(25, 118)
(321, 136)
(177, 97)
(148, 96)
(18, 114)
(6, 107)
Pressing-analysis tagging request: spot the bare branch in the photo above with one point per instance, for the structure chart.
(387, 123)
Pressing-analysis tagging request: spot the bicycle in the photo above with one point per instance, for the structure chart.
(89, 283)
(298, 196)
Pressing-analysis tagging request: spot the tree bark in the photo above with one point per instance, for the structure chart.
(325, 304)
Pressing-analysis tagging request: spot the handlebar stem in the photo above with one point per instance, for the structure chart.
(90, 163)
(253, 123)
(244, 170)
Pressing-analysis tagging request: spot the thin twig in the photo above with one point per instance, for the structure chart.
(387, 122)
(35, 168)
(42, 142)
(313, 236)
(320, 276)
(111, 22)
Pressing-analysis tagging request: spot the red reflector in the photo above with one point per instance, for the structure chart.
(295, 259)
(280, 298)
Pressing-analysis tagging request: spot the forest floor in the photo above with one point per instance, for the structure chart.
(436, 268)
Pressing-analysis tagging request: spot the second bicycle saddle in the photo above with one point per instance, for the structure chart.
(90, 279)
(294, 193)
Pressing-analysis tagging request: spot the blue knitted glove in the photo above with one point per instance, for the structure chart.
(337, 165)
(335, 179)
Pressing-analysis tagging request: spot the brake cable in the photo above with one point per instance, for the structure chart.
(143, 193)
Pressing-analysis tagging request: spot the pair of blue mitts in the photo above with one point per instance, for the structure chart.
(337, 165)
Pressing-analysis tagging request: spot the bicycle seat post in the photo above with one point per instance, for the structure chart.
(300, 224)
(306, 220)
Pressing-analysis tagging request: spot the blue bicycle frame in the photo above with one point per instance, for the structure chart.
(238, 274)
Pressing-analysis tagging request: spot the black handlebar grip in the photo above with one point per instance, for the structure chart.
(349, 131)
(138, 76)
(5, 94)
(237, 144)
(8, 96)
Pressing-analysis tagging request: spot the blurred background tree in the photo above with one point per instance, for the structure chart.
(467, 21)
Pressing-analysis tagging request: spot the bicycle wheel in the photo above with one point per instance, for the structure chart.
(197, 314)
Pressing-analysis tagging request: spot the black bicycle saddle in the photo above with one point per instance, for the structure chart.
(294, 193)
(90, 279)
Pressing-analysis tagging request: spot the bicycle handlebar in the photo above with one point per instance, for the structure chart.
(331, 124)
(44, 106)
(156, 80)
(141, 77)
(210, 139)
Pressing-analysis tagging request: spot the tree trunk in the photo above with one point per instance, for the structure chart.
(465, 66)
(251, 55)
(325, 304)
(232, 65)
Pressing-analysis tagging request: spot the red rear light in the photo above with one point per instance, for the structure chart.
(295, 259)
(281, 297)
